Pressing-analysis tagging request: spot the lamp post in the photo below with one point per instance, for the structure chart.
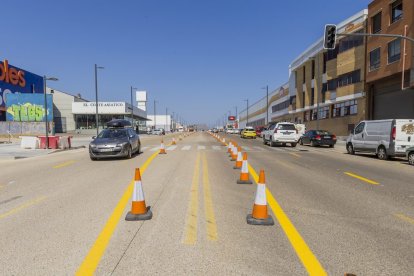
(45, 79)
(96, 97)
(247, 111)
(267, 103)
(155, 114)
(166, 112)
(132, 106)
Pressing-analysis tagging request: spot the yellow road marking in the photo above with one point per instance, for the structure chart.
(208, 203)
(64, 164)
(22, 207)
(294, 154)
(308, 259)
(361, 178)
(91, 261)
(192, 219)
(405, 218)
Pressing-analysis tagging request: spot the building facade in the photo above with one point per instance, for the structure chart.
(390, 67)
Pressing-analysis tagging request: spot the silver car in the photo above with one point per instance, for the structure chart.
(115, 142)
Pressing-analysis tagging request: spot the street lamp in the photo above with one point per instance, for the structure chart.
(155, 114)
(45, 79)
(247, 111)
(96, 97)
(132, 106)
(267, 103)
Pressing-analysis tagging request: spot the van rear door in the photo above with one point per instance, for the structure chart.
(403, 135)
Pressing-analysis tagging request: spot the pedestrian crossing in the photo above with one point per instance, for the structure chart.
(203, 147)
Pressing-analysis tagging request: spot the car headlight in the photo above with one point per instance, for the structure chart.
(92, 145)
(121, 144)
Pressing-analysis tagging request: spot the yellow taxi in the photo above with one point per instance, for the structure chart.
(248, 132)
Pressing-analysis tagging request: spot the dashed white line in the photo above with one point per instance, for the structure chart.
(186, 148)
(171, 148)
(201, 147)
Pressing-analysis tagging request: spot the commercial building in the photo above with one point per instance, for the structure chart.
(326, 88)
(390, 64)
(161, 121)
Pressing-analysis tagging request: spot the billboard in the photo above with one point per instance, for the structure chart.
(28, 107)
(232, 118)
(14, 79)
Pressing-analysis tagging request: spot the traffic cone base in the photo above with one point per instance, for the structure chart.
(244, 181)
(134, 217)
(253, 221)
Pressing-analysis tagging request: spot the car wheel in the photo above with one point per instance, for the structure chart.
(139, 149)
(264, 141)
(129, 153)
(272, 144)
(382, 153)
(313, 144)
(293, 145)
(411, 158)
(331, 146)
(92, 158)
(301, 142)
(350, 149)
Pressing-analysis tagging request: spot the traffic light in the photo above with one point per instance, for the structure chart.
(329, 37)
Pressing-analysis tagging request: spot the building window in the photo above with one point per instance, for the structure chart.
(345, 109)
(332, 85)
(394, 50)
(313, 69)
(306, 116)
(296, 79)
(350, 42)
(324, 62)
(396, 11)
(280, 106)
(345, 79)
(293, 102)
(312, 96)
(374, 59)
(314, 115)
(304, 74)
(303, 99)
(332, 54)
(324, 112)
(376, 23)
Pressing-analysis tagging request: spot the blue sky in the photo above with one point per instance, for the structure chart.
(198, 58)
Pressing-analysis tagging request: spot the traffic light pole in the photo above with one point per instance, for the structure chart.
(379, 35)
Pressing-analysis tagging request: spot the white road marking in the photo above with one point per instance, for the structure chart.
(156, 148)
(259, 148)
(216, 148)
(171, 148)
(144, 148)
(186, 148)
(201, 147)
(246, 148)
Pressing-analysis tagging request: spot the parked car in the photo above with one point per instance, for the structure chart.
(237, 131)
(280, 133)
(259, 130)
(157, 131)
(229, 130)
(248, 132)
(318, 138)
(118, 140)
(410, 155)
(385, 138)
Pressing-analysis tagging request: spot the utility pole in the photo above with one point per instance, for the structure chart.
(132, 107)
(155, 115)
(166, 122)
(247, 111)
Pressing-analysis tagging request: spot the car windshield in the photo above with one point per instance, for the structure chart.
(287, 127)
(113, 133)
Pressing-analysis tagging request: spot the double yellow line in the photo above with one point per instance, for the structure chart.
(190, 237)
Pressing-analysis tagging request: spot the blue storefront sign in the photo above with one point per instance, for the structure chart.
(16, 80)
(28, 107)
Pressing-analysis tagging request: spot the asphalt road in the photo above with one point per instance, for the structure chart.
(334, 213)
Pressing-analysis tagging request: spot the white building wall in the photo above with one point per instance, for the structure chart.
(162, 121)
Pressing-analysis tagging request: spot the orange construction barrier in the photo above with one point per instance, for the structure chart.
(259, 214)
(139, 210)
(244, 174)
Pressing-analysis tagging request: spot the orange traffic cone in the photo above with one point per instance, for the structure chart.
(139, 210)
(224, 141)
(162, 148)
(229, 147)
(244, 174)
(259, 215)
(239, 161)
(234, 153)
(173, 142)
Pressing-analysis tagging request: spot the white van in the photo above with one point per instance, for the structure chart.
(385, 138)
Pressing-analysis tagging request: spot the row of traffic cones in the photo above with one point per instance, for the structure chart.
(259, 215)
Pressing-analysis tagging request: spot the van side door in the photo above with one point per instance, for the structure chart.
(358, 137)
